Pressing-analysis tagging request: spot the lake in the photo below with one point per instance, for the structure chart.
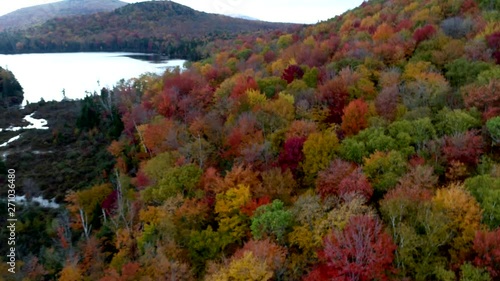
(47, 75)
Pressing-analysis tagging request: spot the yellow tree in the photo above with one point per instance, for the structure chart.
(464, 214)
(308, 211)
(227, 206)
(247, 268)
(319, 150)
(83, 206)
(70, 272)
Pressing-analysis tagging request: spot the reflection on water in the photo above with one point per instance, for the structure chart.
(152, 58)
(73, 75)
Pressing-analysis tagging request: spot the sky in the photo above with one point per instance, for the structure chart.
(297, 11)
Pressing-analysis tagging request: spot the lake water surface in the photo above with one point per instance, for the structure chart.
(47, 75)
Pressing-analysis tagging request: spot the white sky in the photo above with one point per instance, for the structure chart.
(298, 11)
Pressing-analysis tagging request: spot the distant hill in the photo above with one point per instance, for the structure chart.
(159, 26)
(36, 15)
(239, 16)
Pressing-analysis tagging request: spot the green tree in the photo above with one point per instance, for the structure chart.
(205, 245)
(285, 41)
(3, 168)
(486, 190)
(489, 4)
(384, 169)
(419, 230)
(90, 116)
(353, 150)
(452, 122)
(493, 126)
(420, 131)
(182, 179)
(311, 77)
(11, 92)
(461, 72)
(272, 220)
(468, 272)
(156, 166)
(270, 86)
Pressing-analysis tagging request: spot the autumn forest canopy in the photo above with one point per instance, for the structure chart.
(365, 147)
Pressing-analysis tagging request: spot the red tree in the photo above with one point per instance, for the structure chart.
(251, 206)
(134, 116)
(387, 101)
(185, 95)
(291, 73)
(342, 179)
(232, 144)
(265, 250)
(415, 195)
(242, 135)
(424, 33)
(465, 148)
(109, 204)
(404, 24)
(355, 117)
(242, 85)
(292, 154)
(487, 247)
(356, 183)
(269, 56)
(334, 93)
(485, 98)
(329, 180)
(494, 43)
(362, 251)
(165, 103)
(469, 6)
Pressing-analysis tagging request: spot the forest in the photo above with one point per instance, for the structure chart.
(365, 147)
(162, 27)
(11, 92)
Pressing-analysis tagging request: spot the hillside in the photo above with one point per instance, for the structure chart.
(365, 147)
(160, 27)
(37, 15)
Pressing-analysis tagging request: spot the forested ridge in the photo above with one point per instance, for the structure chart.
(162, 27)
(36, 15)
(365, 147)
